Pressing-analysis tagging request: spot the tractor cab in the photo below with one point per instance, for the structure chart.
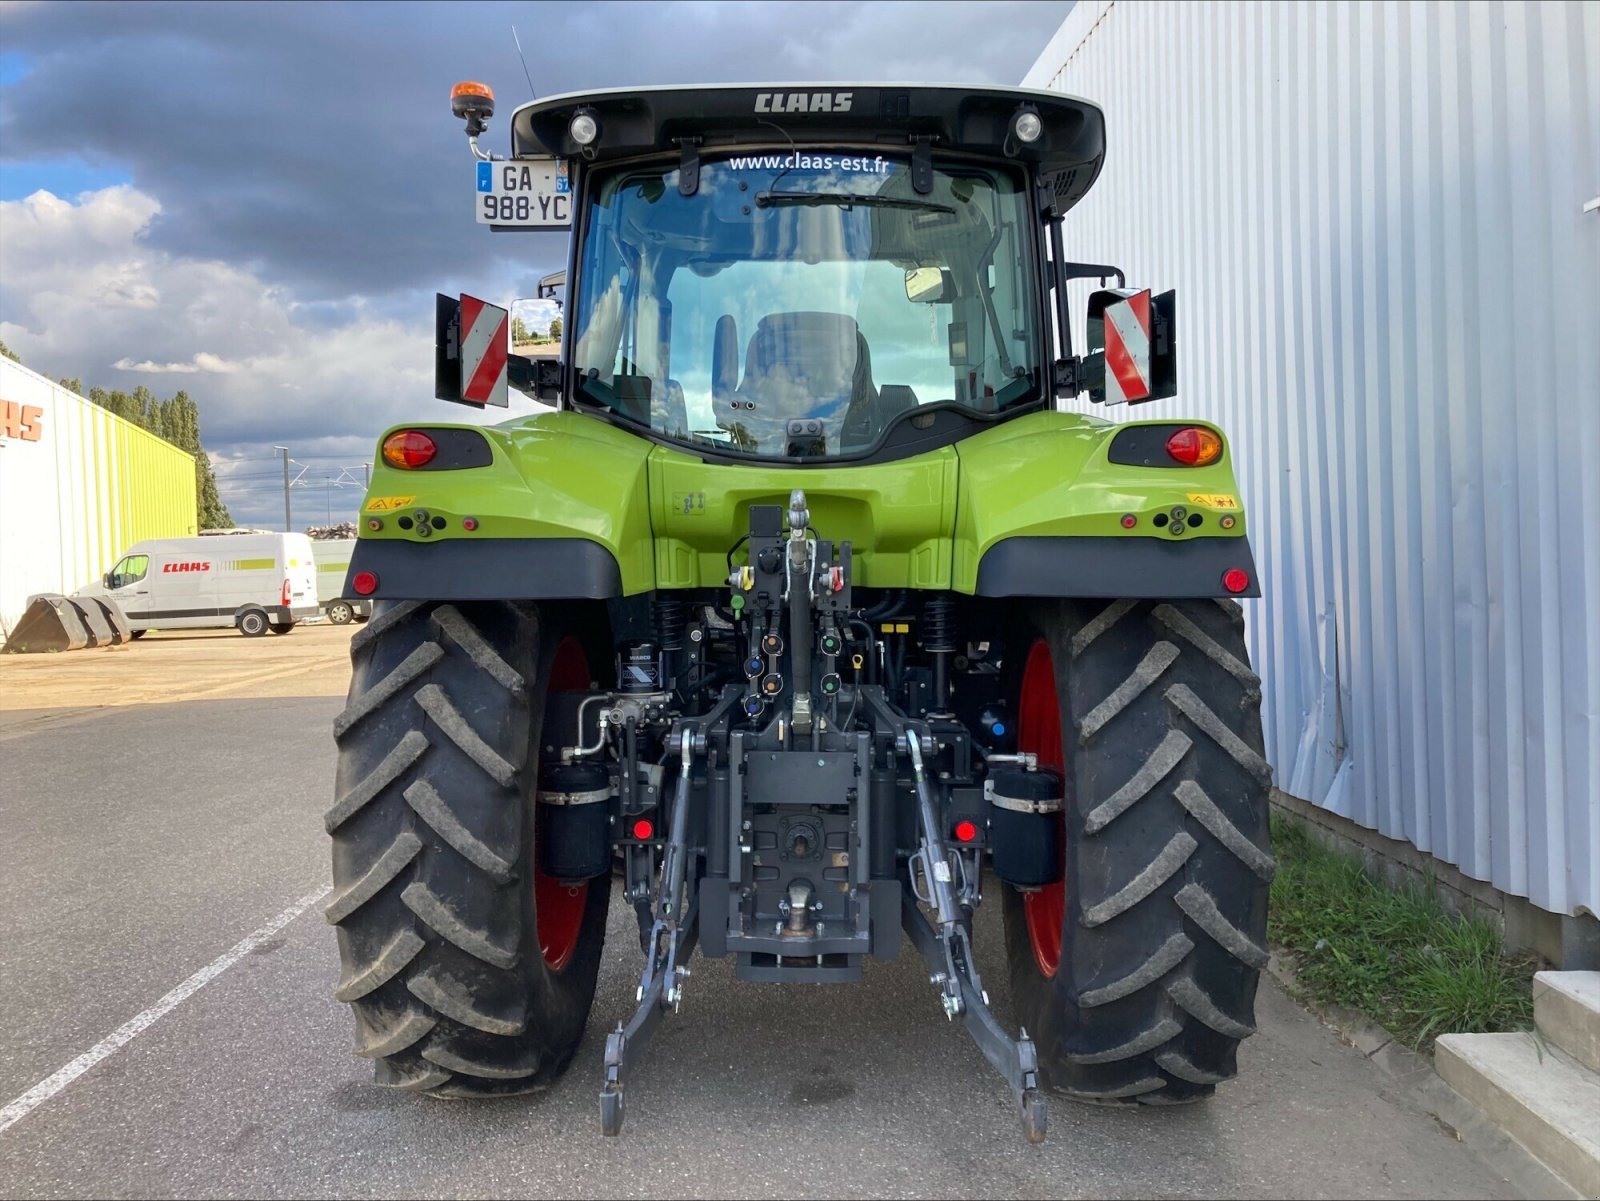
(807, 275)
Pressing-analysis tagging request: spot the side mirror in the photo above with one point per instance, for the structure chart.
(535, 364)
(106, 580)
(930, 285)
(536, 328)
(472, 340)
(1132, 349)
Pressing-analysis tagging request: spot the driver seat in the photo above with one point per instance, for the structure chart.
(801, 364)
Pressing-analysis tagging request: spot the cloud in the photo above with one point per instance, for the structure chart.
(90, 297)
(202, 361)
(315, 143)
(297, 189)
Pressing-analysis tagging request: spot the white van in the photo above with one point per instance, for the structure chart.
(333, 564)
(253, 582)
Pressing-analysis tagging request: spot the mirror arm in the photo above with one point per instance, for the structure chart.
(538, 378)
(1066, 368)
(1093, 271)
(1071, 373)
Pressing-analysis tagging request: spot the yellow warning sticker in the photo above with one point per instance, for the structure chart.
(1216, 500)
(382, 504)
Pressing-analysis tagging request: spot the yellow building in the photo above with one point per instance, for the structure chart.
(77, 485)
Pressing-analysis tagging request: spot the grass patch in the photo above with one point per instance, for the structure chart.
(1394, 955)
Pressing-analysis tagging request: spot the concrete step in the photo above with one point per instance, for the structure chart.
(1545, 1100)
(1566, 1008)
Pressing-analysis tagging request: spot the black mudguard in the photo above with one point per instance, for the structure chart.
(1151, 568)
(486, 569)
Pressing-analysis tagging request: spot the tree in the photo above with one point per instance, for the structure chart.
(519, 331)
(72, 385)
(180, 418)
(555, 328)
(9, 353)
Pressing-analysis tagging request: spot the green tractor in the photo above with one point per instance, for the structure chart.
(801, 618)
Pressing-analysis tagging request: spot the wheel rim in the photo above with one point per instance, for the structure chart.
(1039, 731)
(559, 908)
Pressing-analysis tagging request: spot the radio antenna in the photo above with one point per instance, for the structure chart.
(524, 59)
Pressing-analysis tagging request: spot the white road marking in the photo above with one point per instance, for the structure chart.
(129, 1030)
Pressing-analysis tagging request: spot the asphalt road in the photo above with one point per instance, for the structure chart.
(141, 843)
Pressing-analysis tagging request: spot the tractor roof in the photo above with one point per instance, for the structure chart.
(971, 120)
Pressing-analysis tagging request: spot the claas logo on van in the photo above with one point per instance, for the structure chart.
(166, 567)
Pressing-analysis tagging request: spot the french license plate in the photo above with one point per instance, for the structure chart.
(536, 193)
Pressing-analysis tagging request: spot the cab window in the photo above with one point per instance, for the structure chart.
(130, 570)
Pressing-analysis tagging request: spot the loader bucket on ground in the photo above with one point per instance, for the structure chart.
(121, 632)
(52, 623)
(95, 622)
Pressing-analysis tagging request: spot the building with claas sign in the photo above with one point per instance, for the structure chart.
(77, 485)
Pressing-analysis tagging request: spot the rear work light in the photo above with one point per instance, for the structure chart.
(408, 449)
(1195, 446)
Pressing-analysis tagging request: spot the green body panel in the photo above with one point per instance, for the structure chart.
(554, 475)
(898, 516)
(1047, 474)
(920, 522)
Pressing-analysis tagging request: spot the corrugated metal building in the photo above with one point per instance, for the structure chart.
(1389, 295)
(77, 486)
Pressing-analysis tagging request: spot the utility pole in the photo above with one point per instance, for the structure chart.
(288, 525)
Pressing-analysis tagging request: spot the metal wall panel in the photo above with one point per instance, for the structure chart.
(73, 499)
(1389, 295)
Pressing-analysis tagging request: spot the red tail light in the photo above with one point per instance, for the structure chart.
(365, 583)
(643, 829)
(966, 831)
(287, 594)
(1235, 579)
(1194, 446)
(409, 449)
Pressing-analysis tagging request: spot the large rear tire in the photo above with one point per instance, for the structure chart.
(1136, 975)
(468, 971)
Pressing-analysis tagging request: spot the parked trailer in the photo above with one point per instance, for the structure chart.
(252, 582)
(333, 564)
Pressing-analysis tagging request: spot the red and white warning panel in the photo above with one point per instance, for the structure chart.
(485, 342)
(1127, 334)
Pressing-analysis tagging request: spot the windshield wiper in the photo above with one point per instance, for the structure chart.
(847, 199)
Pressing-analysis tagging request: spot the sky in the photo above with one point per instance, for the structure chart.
(257, 202)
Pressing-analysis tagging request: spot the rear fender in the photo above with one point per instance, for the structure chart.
(560, 510)
(1042, 511)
